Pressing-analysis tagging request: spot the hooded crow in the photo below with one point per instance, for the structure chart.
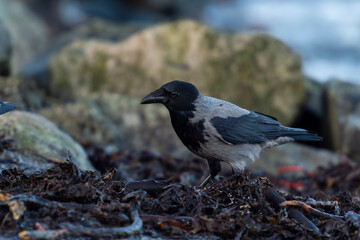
(220, 131)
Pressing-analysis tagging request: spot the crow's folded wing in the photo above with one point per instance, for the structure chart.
(249, 128)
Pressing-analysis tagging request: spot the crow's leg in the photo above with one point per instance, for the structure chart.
(215, 168)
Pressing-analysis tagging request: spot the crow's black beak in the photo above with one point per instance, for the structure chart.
(6, 107)
(155, 97)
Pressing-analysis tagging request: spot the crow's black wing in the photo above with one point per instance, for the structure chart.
(249, 128)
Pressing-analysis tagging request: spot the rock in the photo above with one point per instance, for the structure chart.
(22, 92)
(314, 95)
(29, 35)
(352, 137)
(294, 154)
(86, 122)
(5, 51)
(37, 143)
(38, 68)
(311, 112)
(119, 121)
(9, 91)
(252, 70)
(343, 117)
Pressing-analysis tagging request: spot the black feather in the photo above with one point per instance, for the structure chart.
(6, 107)
(274, 118)
(299, 134)
(191, 134)
(257, 128)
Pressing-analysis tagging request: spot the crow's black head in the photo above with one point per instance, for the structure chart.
(175, 95)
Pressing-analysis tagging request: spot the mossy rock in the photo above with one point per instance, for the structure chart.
(38, 142)
(254, 71)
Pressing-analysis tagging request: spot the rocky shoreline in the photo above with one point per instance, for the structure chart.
(79, 100)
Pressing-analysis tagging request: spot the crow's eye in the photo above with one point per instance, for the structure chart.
(174, 94)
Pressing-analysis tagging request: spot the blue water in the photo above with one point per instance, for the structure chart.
(325, 32)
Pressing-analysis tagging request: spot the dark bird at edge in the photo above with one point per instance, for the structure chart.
(6, 107)
(220, 131)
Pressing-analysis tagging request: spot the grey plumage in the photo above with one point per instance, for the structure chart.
(237, 136)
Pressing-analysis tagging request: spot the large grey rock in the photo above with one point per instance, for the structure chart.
(37, 143)
(343, 117)
(29, 35)
(252, 70)
(294, 154)
(5, 50)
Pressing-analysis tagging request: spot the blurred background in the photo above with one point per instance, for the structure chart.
(77, 70)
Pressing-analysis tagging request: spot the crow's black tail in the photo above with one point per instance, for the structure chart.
(299, 134)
